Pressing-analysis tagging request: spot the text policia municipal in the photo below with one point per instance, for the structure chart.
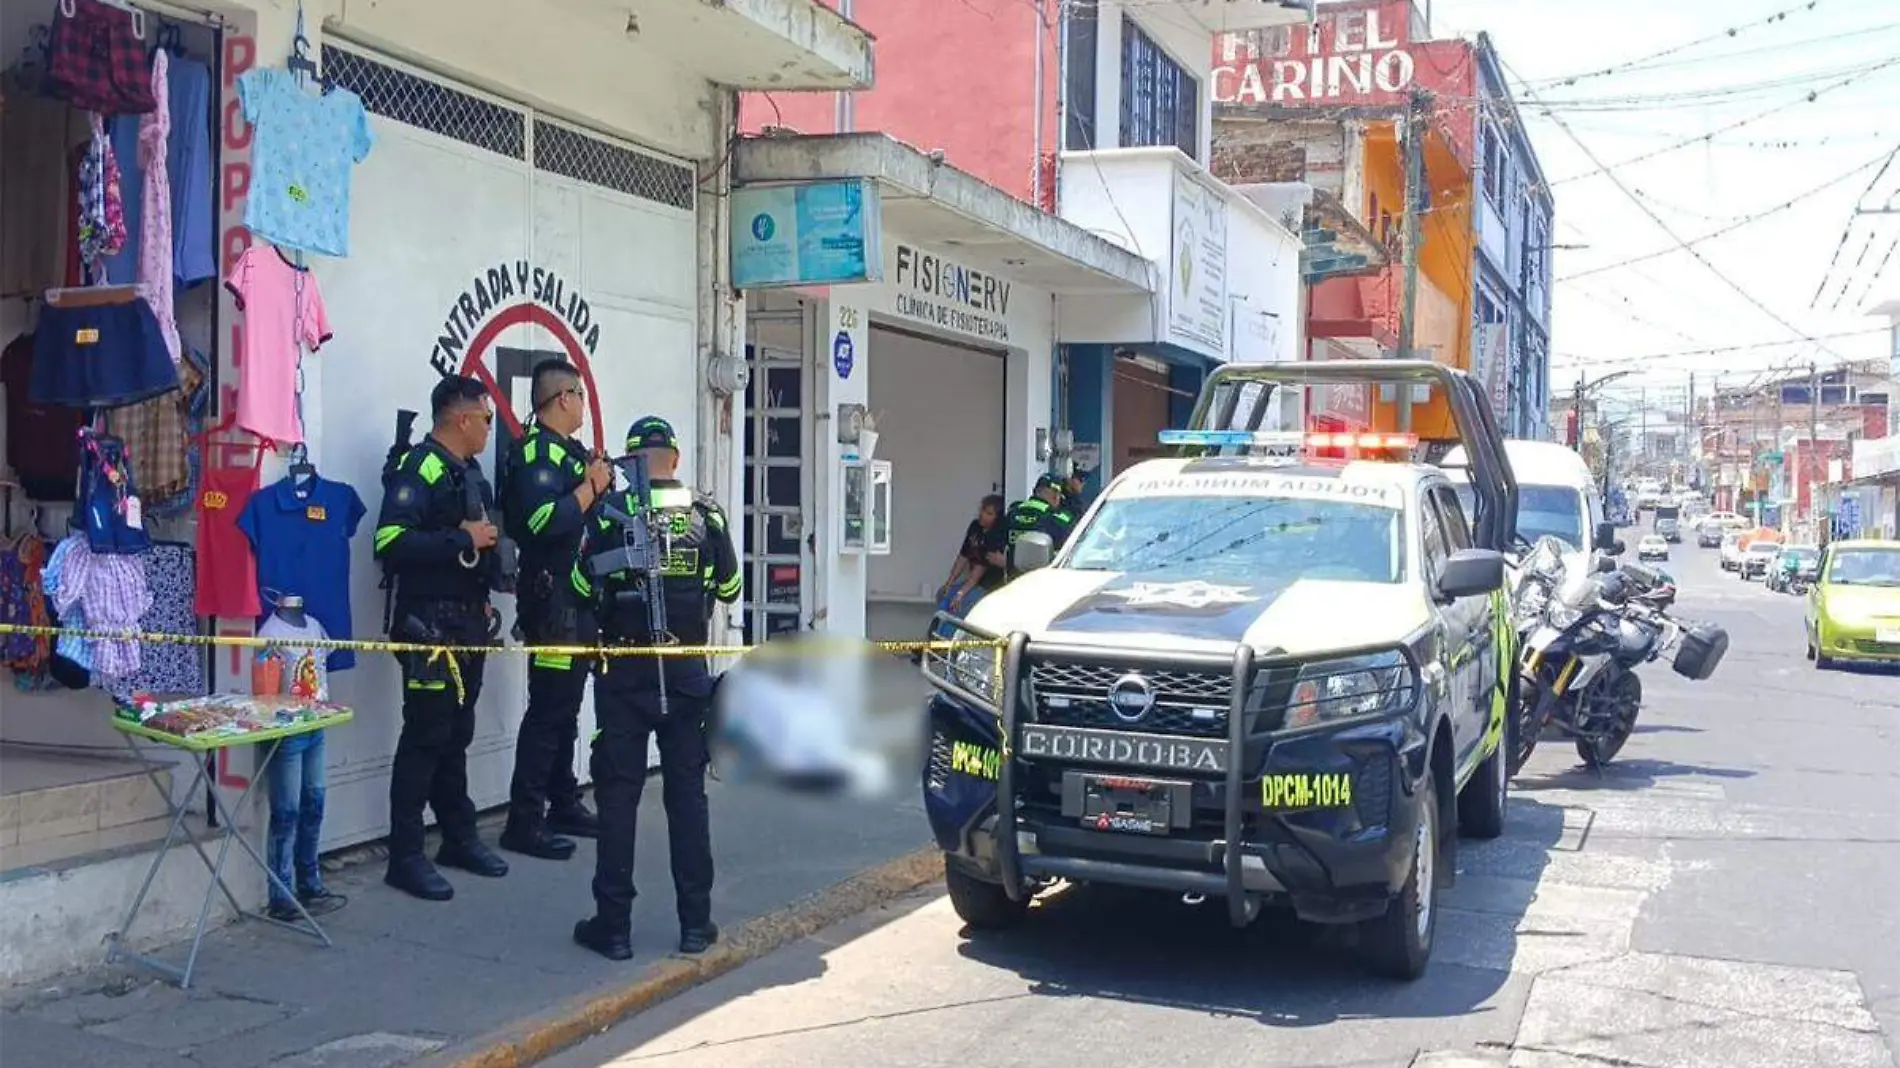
(502, 285)
(937, 291)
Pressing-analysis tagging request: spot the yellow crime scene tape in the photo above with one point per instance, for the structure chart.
(608, 652)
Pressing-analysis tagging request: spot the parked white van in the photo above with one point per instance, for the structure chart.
(1556, 495)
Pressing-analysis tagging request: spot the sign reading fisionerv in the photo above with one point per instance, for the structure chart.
(1123, 748)
(942, 293)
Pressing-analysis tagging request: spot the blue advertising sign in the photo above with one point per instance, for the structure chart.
(843, 355)
(810, 233)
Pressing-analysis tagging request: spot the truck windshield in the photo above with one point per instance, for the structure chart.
(1243, 537)
(1865, 567)
(1556, 511)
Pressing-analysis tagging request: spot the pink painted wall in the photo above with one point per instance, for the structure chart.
(956, 75)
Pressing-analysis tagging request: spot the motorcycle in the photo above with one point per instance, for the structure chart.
(1587, 635)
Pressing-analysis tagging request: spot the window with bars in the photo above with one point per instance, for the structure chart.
(1161, 101)
(428, 104)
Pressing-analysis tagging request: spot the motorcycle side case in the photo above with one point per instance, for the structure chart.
(1701, 652)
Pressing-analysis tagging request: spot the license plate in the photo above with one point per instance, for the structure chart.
(1124, 805)
(1887, 635)
(1296, 791)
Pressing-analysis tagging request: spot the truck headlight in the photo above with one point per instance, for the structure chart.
(1373, 684)
(976, 669)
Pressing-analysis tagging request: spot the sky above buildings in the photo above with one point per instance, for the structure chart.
(1758, 142)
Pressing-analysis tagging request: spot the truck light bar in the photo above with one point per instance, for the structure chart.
(1288, 441)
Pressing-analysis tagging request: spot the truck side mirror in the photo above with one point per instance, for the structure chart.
(1606, 537)
(1033, 550)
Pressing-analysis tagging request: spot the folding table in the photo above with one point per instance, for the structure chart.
(228, 831)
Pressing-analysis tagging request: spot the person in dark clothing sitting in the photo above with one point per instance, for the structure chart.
(979, 565)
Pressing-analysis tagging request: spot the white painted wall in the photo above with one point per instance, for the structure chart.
(1185, 40)
(940, 422)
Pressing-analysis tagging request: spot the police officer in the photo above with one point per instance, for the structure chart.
(442, 563)
(1073, 488)
(699, 566)
(551, 483)
(1041, 512)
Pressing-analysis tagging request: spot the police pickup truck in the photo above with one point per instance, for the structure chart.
(1273, 670)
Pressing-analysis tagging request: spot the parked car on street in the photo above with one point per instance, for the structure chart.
(1709, 536)
(1652, 547)
(1731, 550)
(1757, 558)
(1854, 607)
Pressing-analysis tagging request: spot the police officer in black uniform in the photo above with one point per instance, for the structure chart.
(699, 567)
(1074, 489)
(1041, 512)
(551, 482)
(442, 563)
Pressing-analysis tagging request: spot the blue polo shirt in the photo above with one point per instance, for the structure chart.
(302, 543)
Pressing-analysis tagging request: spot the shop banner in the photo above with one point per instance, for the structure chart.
(1494, 369)
(808, 233)
(1197, 262)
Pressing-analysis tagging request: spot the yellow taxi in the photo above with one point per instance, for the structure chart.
(1854, 606)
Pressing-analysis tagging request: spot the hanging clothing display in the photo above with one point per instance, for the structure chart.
(139, 145)
(109, 507)
(170, 574)
(42, 439)
(95, 60)
(194, 383)
(23, 604)
(156, 433)
(36, 141)
(227, 575)
(300, 161)
(188, 164)
(109, 592)
(122, 267)
(100, 356)
(101, 221)
(301, 536)
(283, 311)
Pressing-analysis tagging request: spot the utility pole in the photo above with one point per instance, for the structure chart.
(1575, 430)
(1416, 198)
(1642, 404)
(1814, 445)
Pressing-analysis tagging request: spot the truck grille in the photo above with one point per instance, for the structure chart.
(1193, 703)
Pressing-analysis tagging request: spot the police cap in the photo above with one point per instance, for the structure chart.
(652, 432)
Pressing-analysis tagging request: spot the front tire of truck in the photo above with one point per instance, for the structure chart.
(984, 906)
(1398, 945)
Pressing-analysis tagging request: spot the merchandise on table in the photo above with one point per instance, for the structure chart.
(229, 715)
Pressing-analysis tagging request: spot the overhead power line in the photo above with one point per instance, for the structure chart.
(1847, 229)
(1664, 226)
(1713, 350)
(1710, 135)
(1723, 34)
(1738, 223)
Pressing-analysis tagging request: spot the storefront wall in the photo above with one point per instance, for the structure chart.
(927, 295)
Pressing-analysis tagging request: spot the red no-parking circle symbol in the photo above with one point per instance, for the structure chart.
(474, 363)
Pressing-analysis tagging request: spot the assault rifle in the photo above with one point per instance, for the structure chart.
(640, 553)
(398, 448)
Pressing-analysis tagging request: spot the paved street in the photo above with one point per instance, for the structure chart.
(1724, 896)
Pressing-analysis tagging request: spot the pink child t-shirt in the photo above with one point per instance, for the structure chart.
(283, 311)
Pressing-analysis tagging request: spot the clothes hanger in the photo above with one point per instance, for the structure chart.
(67, 9)
(92, 296)
(170, 38)
(302, 471)
(300, 62)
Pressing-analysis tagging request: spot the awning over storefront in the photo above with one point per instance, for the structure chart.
(758, 44)
(937, 205)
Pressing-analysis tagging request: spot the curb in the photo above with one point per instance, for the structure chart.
(536, 1038)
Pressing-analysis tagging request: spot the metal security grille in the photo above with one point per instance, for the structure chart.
(567, 152)
(428, 104)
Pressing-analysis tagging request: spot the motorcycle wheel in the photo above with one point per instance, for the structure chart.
(1622, 704)
(1527, 723)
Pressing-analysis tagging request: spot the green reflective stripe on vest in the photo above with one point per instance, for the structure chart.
(531, 450)
(432, 468)
(386, 536)
(418, 684)
(556, 451)
(716, 518)
(731, 587)
(672, 497)
(580, 582)
(541, 518)
(559, 663)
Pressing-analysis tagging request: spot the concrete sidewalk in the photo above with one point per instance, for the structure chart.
(490, 978)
